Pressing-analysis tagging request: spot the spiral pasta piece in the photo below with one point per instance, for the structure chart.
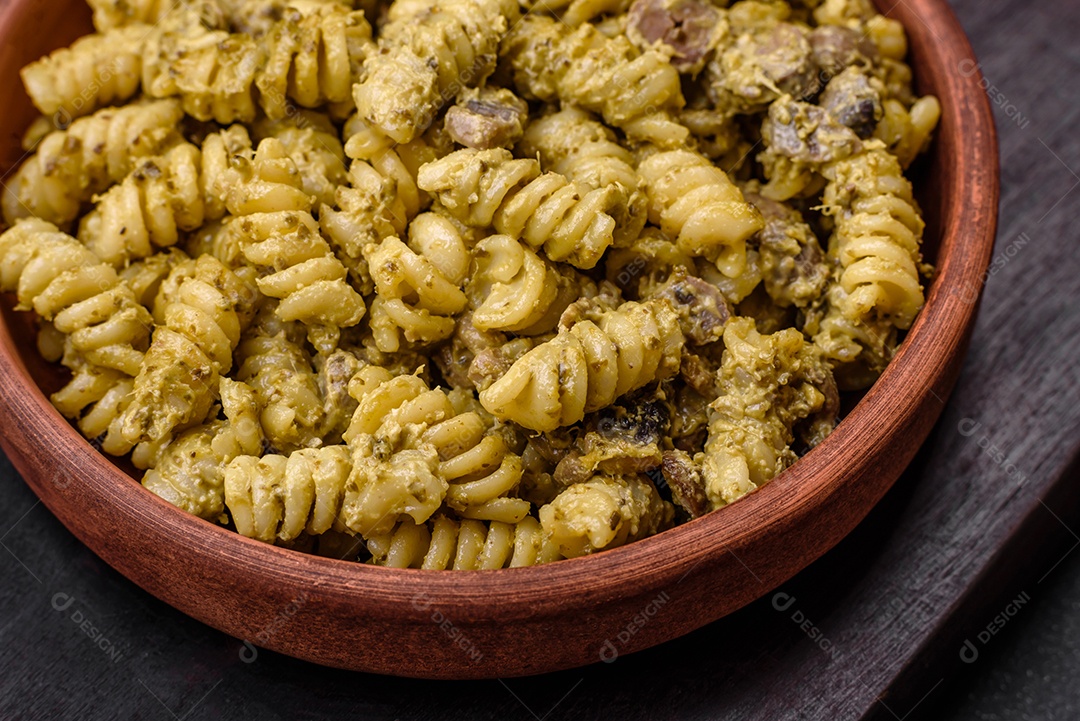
(573, 143)
(394, 474)
(515, 289)
(312, 57)
(858, 350)
(271, 359)
(211, 71)
(98, 325)
(586, 367)
(242, 181)
(176, 191)
(189, 472)
(445, 543)
(276, 497)
(204, 308)
(84, 299)
(95, 398)
(751, 422)
(418, 286)
(482, 188)
(878, 230)
(70, 166)
(481, 472)
(471, 468)
(155, 203)
(604, 512)
(311, 141)
(906, 131)
(95, 71)
(381, 197)
(302, 272)
(226, 157)
(696, 203)
(428, 51)
(633, 90)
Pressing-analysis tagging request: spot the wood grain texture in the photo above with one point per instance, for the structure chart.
(883, 597)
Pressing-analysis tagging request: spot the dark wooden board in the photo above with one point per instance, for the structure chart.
(960, 536)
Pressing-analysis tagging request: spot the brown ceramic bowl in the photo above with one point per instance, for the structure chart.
(527, 620)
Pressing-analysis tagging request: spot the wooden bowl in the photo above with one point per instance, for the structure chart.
(570, 613)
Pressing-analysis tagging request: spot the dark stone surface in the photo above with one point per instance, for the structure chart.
(962, 539)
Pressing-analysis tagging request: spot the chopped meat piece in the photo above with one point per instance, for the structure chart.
(490, 364)
(640, 420)
(853, 100)
(806, 133)
(834, 48)
(686, 481)
(793, 265)
(623, 438)
(689, 28)
(487, 118)
(784, 56)
(762, 66)
(702, 309)
(699, 374)
(455, 358)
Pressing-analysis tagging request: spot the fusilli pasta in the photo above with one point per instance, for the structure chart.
(160, 199)
(189, 472)
(482, 188)
(588, 366)
(876, 237)
(460, 291)
(83, 298)
(429, 51)
(418, 285)
(751, 422)
(445, 543)
(72, 165)
(572, 143)
(632, 90)
(696, 203)
(514, 289)
(205, 307)
(96, 71)
(604, 512)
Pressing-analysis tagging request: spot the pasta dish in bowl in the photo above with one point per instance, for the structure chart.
(470, 285)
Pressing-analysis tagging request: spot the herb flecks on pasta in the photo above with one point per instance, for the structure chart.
(467, 284)
(70, 166)
(752, 422)
(484, 188)
(429, 50)
(602, 356)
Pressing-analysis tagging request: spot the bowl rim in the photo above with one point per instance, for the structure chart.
(968, 231)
